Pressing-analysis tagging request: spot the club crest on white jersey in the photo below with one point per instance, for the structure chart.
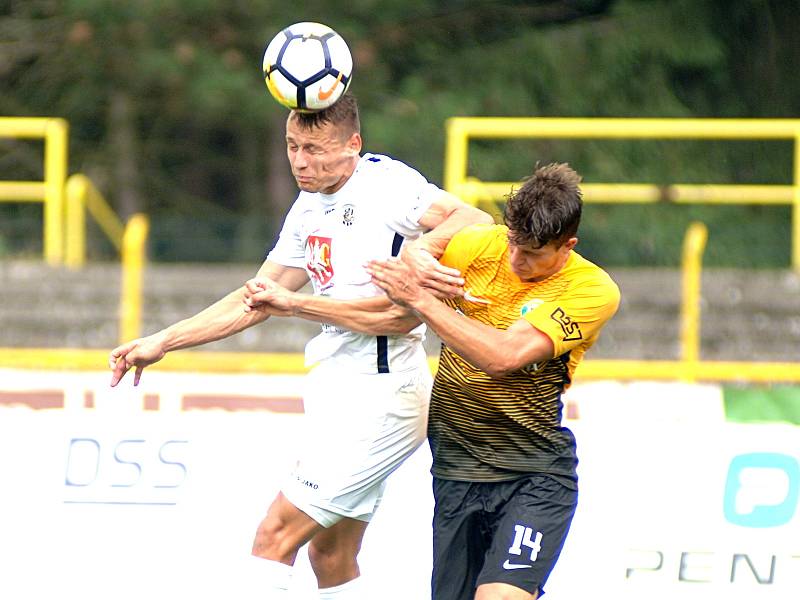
(318, 259)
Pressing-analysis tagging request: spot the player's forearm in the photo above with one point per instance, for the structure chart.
(222, 319)
(373, 316)
(462, 215)
(486, 348)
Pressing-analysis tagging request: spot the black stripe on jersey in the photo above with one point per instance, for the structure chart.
(382, 340)
(565, 361)
(483, 429)
(383, 354)
(396, 243)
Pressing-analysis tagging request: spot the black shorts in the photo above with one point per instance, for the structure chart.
(501, 532)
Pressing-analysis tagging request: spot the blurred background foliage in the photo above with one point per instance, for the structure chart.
(169, 114)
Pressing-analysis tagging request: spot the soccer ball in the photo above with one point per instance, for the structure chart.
(307, 67)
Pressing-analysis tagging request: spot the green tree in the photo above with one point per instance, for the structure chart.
(169, 113)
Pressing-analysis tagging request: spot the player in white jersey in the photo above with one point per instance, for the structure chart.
(366, 400)
(332, 236)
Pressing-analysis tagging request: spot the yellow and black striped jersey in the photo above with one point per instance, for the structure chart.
(495, 429)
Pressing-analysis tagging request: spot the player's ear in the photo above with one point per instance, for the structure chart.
(354, 143)
(570, 243)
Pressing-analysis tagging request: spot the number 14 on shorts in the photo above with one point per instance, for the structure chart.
(524, 536)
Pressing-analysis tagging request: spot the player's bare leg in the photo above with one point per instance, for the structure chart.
(333, 552)
(283, 531)
(503, 591)
(278, 538)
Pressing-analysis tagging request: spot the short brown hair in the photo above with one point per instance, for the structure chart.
(547, 208)
(343, 113)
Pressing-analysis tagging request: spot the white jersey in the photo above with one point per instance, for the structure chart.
(332, 236)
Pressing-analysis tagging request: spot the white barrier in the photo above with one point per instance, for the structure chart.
(119, 502)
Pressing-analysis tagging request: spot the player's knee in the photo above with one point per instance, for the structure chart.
(329, 560)
(273, 542)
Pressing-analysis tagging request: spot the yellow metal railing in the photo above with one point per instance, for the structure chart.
(133, 262)
(694, 244)
(81, 197)
(66, 202)
(130, 241)
(461, 129)
(50, 191)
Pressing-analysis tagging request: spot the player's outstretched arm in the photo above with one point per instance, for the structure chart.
(220, 320)
(372, 316)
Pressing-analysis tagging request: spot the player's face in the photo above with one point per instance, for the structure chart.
(322, 158)
(532, 264)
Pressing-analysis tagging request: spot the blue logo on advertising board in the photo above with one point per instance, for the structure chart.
(124, 471)
(762, 489)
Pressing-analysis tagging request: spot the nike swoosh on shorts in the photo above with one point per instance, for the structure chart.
(509, 566)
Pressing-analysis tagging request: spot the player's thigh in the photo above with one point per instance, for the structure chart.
(531, 521)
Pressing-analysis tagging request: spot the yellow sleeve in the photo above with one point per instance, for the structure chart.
(465, 246)
(577, 316)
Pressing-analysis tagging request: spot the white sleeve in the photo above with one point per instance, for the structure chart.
(289, 250)
(410, 197)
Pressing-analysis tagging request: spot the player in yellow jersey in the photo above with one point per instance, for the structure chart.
(504, 467)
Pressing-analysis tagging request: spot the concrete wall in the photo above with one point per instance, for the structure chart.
(746, 315)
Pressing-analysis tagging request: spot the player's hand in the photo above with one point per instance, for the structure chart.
(138, 353)
(264, 294)
(429, 273)
(394, 277)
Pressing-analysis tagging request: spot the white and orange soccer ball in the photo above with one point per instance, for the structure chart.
(307, 66)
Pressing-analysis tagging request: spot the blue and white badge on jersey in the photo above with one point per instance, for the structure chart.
(530, 305)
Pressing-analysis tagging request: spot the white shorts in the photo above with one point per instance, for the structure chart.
(358, 429)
